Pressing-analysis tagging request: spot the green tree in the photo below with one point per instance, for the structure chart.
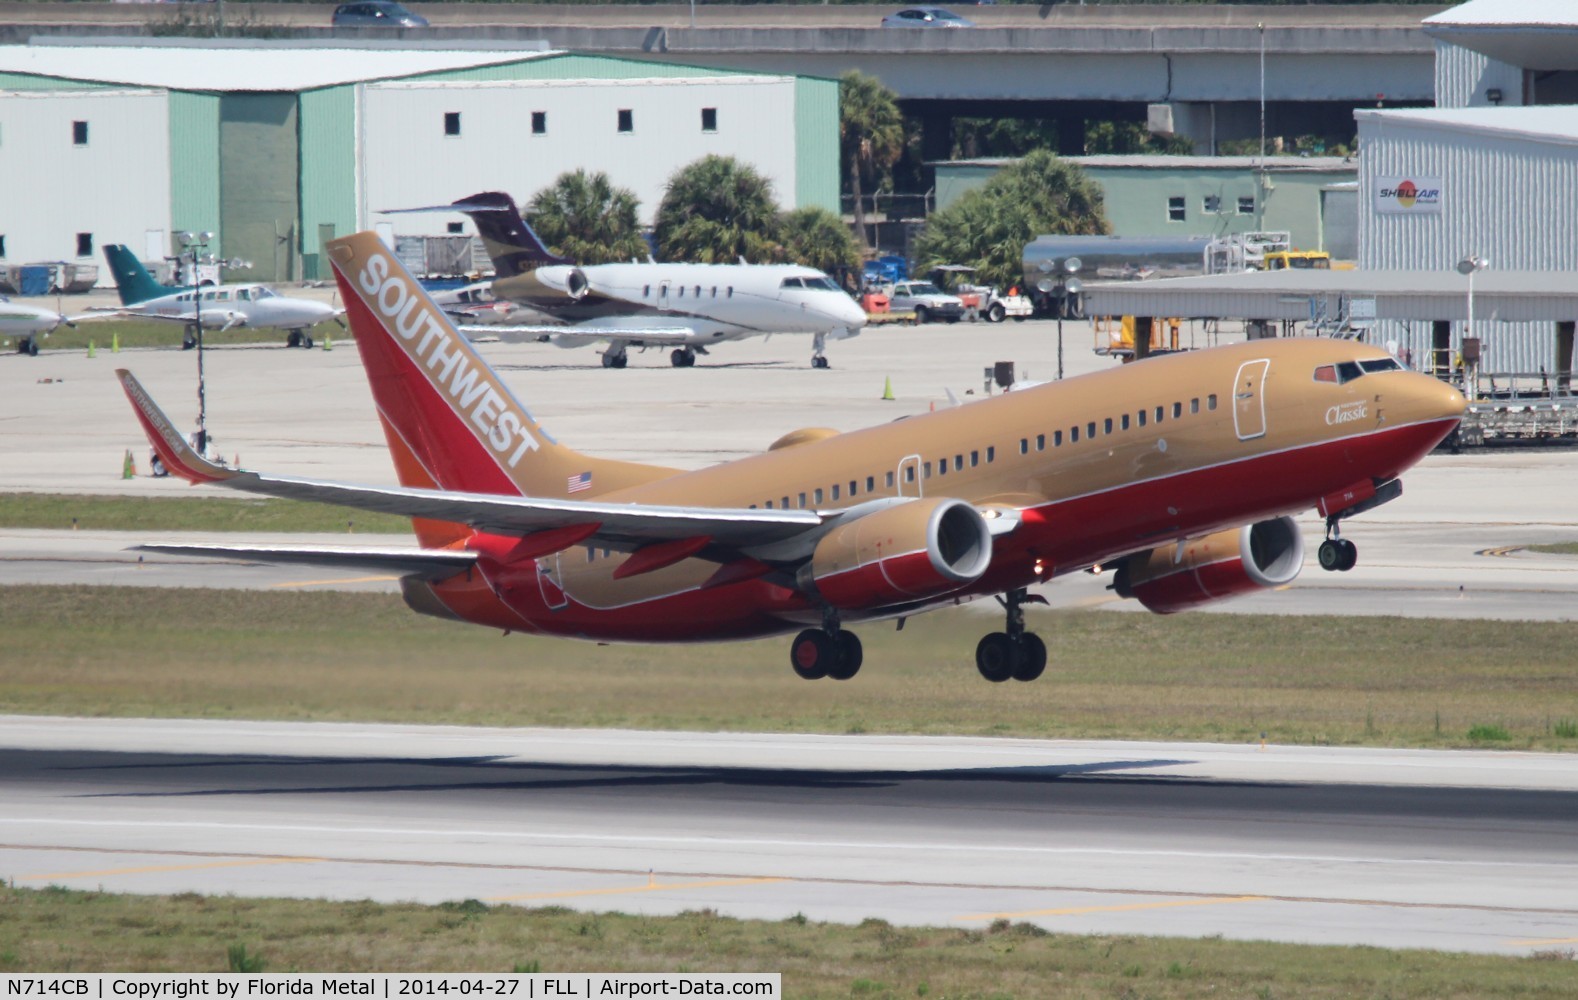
(715, 211)
(586, 218)
(989, 227)
(817, 238)
(870, 136)
(1132, 137)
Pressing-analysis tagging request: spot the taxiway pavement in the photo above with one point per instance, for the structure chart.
(1453, 850)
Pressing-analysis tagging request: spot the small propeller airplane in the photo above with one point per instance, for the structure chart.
(29, 323)
(1181, 473)
(217, 307)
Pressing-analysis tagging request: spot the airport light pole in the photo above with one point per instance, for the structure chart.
(1468, 267)
(194, 244)
(1065, 284)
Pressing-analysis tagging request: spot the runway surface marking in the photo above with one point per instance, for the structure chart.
(330, 583)
(1069, 911)
(873, 845)
(147, 869)
(651, 886)
(1539, 941)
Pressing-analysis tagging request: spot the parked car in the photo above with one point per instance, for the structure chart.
(376, 14)
(925, 300)
(926, 17)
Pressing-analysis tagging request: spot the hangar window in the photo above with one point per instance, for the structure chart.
(452, 123)
(79, 133)
(539, 123)
(1246, 204)
(1175, 208)
(627, 120)
(84, 244)
(455, 228)
(709, 119)
(1211, 204)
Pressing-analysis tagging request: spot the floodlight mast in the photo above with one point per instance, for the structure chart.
(195, 244)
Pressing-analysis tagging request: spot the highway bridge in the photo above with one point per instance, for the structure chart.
(1197, 64)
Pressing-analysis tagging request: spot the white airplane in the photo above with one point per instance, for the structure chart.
(28, 323)
(685, 307)
(217, 307)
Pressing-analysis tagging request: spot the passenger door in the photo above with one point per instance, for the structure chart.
(1249, 400)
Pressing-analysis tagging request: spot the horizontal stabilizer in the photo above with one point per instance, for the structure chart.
(425, 564)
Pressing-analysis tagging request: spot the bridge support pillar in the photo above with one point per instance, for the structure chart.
(1564, 356)
(1071, 135)
(1204, 123)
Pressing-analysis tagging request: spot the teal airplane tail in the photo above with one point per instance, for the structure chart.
(132, 280)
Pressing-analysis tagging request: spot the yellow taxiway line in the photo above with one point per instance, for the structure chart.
(649, 887)
(1075, 910)
(146, 869)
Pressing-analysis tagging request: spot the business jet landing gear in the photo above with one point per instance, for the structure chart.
(28, 346)
(828, 651)
(615, 357)
(818, 346)
(299, 338)
(682, 357)
(1336, 553)
(189, 337)
(1015, 653)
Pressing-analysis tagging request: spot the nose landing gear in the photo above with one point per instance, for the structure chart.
(818, 345)
(1015, 653)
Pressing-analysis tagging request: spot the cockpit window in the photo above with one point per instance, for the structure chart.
(1347, 371)
(792, 283)
(1381, 365)
(821, 284)
(1326, 373)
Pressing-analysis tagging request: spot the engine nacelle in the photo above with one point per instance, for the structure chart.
(555, 284)
(901, 553)
(1226, 564)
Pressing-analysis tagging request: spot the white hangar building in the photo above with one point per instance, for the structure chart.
(1490, 172)
(277, 146)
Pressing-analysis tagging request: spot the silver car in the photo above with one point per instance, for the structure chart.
(926, 17)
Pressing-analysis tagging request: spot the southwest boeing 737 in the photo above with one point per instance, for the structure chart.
(1180, 472)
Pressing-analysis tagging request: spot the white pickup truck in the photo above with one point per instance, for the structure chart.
(925, 300)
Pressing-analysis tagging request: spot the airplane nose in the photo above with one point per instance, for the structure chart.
(851, 315)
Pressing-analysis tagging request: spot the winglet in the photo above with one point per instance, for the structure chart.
(174, 452)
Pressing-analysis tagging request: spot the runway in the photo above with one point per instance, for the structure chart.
(1452, 850)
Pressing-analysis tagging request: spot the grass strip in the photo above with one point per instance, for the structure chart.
(61, 930)
(130, 333)
(135, 651)
(1556, 548)
(197, 513)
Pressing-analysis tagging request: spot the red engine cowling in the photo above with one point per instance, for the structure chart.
(901, 553)
(1202, 570)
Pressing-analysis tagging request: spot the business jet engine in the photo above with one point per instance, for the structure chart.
(904, 552)
(1199, 571)
(553, 285)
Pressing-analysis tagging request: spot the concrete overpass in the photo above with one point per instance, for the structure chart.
(1196, 67)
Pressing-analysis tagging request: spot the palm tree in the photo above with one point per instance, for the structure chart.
(717, 210)
(989, 227)
(817, 238)
(586, 218)
(870, 135)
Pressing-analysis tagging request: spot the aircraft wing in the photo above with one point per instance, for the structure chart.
(618, 525)
(513, 334)
(425, 564)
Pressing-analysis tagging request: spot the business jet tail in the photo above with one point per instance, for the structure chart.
(511, 242)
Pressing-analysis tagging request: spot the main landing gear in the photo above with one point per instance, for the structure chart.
(615, 357)
(682, 357)
(828, 651)
(1015, 653)
(1336, 553)
(299, 338)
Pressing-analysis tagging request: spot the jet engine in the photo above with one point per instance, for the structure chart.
(904, 552)
(545, 286)
(1214, 567)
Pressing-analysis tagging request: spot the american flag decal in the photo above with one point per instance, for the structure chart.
(578, 483)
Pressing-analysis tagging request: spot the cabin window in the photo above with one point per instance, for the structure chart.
(627, 120)
(802, 501)
(681, 291)
(1124, 424)
(452, 123)
(1175, 208)
(1326, 373)
(79, 133)
(698, 291)
(871, 483)
(539, 123)
(835, 491)
(1106, 426)
(991, 453)
(714, 291)
(731, 291)
(958, 462)
(1141, 416)
(853, 488)
(753, 507)
(769, 505)
(1041, 442)
(84, 244)
(816, 495)
(785, 503)
(1057, 439)
(2, 247)
(1073, 435)
(975, 459)
(1210, 401)
(926, 471)
(1194, 405)
(1024, 446)
(1177, 410)
(1161, 411)
(1090, 431)
(942, 466)
(709, 119)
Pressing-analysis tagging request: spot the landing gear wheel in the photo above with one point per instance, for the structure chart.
(293, 339)
(682, 357)
(921, 315)
(813, 654)
(818, 362)
(1338, 555)
(850, 656)
(188, 341)
(1350, 555)
(620, 360)
(996, 313)
(994, 657)
(28, 346)
(1030, 659)
(308, 342)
